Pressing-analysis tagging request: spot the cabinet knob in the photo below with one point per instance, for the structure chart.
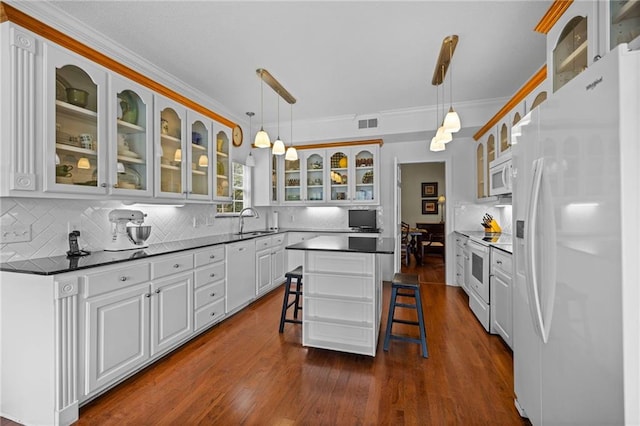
(213, 314)
(212, 256)
(177, 265)
(157, 290)
(212, 275)
(212, 294)
(499, 262)
(104, 185)
(123, 278)
(147, 295)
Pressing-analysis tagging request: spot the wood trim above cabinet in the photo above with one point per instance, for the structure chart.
(337, 144)
(9, 13)
(554, 13)
(525, 90)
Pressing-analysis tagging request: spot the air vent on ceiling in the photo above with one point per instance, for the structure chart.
(368, 124)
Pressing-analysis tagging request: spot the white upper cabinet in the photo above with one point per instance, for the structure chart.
(76, 127)
(170, 119)
(314, 163)
(352, 175)
(131, 147)
(200, 156)
(223, 175)
(623, 19)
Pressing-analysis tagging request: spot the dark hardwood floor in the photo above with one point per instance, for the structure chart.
(243, 371)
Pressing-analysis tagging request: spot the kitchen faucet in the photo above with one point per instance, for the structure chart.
(255, 214)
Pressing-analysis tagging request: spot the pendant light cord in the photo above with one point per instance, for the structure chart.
(451, 74)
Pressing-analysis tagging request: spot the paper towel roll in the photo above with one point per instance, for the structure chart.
(275, 220)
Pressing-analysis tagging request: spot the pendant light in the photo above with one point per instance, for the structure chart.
(262, 138)
(451, 120)
(278, 145)
(83, 163)
(436, 144)
(292, 153)
(442, 135)
(250, 161)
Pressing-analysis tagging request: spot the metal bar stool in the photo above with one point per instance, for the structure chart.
(406, 285)
(296, 302)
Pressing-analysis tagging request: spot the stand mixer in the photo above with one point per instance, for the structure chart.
(122, 235)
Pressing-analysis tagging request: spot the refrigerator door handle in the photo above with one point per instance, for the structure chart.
(530, 250)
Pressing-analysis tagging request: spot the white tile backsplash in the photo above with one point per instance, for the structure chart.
(468, 217)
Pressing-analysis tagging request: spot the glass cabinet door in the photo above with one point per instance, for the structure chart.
(292, 188)
(199, 161)
(625, 22)
(364, 176)
(315, 178)
(338, 175)
(480, 170)
(76, 160)
(130, 161)
(172, 155)
(275, 168)
(504, 138)
(570, 54)
(223, 164)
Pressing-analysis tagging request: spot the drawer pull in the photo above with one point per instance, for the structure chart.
(147, 295)
(177, 265)
(157, 290)
(213, 294)
(213, 314)
(212, 256)
(123, 278)
(499, 262)
(212, 275)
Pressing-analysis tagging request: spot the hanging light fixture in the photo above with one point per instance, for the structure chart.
(177, 156)
(262, 138)
(278, 145)
(442, 135)
(292, 153)
(451, 120)
(250, 161)
(436, 144)
(83, 163)
(203, 161)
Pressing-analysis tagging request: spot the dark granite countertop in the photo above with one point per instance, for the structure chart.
(347, 244)
(500, 241)
(61, 264)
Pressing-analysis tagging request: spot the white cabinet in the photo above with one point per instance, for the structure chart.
(462, 260)
(353, 175)
(133, 313)
(199, 159)
(170, 136)
(241, 274)
(266, 178)
(171, 311)
(501, 295)
(75, 151)
(342, 301)
(131, 145)
(223, 184)
(270, 262)
(209, 286)
(117, 335)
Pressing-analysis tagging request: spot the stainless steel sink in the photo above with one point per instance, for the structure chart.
(254, 233)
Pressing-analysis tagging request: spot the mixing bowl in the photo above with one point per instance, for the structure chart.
(139, 234)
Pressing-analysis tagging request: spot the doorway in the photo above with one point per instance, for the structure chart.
(422, 204)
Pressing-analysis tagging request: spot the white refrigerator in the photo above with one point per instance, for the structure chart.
(576, 298)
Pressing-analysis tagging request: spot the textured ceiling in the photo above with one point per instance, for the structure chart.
(336, 58)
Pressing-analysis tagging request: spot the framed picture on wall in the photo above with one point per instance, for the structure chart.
(429, 189)
(430, 206)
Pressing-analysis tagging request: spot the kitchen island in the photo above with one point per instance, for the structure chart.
(342, 302)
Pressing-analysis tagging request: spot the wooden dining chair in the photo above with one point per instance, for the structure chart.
(404, 244)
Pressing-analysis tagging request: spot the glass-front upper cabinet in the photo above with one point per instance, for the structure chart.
(480, 191)
(199, 182)
(624, 18)
(170, 176)
(223, 162)
(131, 151)
(76, 152)
(504, 138)
(292, 181)
(570, 54)
(339, 175)
(364, 177)
(314, 177)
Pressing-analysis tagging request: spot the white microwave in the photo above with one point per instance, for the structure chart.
(500, 172)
